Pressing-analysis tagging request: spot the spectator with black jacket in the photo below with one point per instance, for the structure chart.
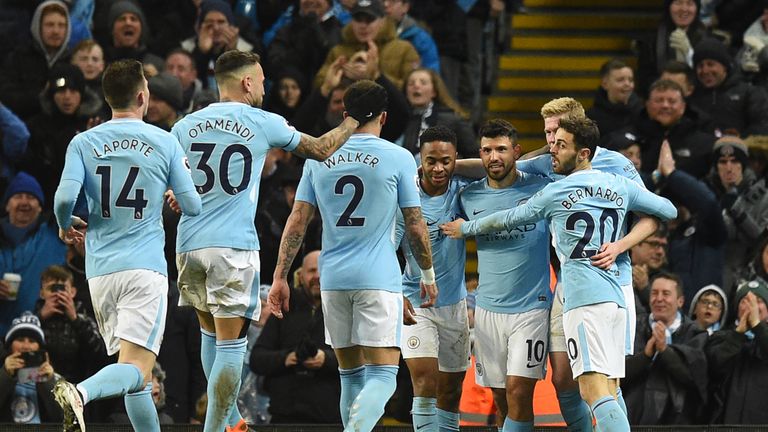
(616, 105)
(738, 360)
(666, 377)
(300, 369)
(744, 200)
(74, 344)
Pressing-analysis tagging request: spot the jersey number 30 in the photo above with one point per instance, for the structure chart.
(226, 156)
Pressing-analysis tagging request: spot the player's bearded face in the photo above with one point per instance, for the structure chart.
(498, 156)
(563, 153)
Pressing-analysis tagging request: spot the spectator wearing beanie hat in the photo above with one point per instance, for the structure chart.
(128, 35)
(744, 200)
(736, 359)
(68, 105)
(735, 107)
(166, 100)
(28, 244)
(216, 32)
(21, 401)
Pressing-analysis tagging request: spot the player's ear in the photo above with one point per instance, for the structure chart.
(383, 118)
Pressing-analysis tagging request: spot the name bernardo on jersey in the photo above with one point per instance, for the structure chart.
(590, 191)
(221, 124)
(125, 144)
(350, 157)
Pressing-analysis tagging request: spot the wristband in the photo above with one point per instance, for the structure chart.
(428, 276)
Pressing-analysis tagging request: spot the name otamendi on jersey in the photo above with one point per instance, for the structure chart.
(221, 124)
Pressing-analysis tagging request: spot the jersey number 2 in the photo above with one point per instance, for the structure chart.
(346, 219)
(137, 203)
(579, 251)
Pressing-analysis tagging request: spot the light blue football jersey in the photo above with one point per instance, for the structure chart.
(607, 161)
(125, 167)
(226, 144)
(448, 255)
(586, 209)
(513, 263)
(358, 191)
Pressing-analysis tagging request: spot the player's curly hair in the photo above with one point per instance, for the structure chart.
(564, 106)
(438, 133)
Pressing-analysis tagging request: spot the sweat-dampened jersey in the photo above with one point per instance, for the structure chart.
(125, 167)
(513, 263)
(226, 144)
(448, 255)
(587, 209)
(607, 161)
(358, 190)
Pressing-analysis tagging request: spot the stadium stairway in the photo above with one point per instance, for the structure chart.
(556, 49)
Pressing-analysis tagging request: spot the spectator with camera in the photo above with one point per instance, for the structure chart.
(27, 377)
(301, 370)
(74, 343)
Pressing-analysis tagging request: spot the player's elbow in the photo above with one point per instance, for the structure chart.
(190, 203)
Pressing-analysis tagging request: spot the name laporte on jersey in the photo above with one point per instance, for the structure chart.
(124, 144)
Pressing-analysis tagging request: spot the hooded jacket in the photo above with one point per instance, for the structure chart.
(396, 57)
(720, 292)
(25, 70)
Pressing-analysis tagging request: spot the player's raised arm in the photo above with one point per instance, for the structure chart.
(529, 212)
(418, 239)
(290, 243)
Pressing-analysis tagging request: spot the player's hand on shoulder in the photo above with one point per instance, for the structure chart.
(453, 229)
(409, 314)
(278, 298)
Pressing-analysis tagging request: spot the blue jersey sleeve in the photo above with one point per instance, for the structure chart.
(282, 135)
(305, 191)
(179, 178)
(407, 188)
(540, 165)
(530, 212)
(643, 201)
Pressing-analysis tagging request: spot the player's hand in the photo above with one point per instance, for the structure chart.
(607, 255)
(291, 360)
(278, 298)
(660, 334)
(172, 203)
(429, 294)
(315, 362)
(74, 235)
(409, 314)
(453, 229)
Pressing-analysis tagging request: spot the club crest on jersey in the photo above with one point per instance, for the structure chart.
(413, 342)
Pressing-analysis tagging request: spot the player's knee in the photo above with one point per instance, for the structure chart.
(424, 384)
(519, 395)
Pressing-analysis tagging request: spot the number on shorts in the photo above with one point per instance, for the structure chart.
(535, 350)
(346, 219)
(226, 156)
(137, 203)
(573, 351)
(580, 250)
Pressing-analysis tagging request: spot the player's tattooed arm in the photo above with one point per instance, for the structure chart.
(293, 237)
(418, 236)
(322, 148)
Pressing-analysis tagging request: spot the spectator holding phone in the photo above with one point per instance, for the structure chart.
(74, 345)
(27, 377)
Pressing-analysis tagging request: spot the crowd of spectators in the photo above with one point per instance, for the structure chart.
(693, 118)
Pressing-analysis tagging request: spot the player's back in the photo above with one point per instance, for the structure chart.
(358, 190)
(587, 209)
(226, 144)
(127, 165)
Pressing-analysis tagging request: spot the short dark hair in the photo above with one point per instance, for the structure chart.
(496, 128)
(122, 79)
(185, 53)
(664, 85)
(438, 133)
(365, 99)
(232, 61)
(670, 276)
(610, 66)
(678, 67)
(56, 273)
(585, 133)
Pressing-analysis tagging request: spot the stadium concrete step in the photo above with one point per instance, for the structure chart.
(541, 60)
(595, 4)
(570, 42)
(530, 103)
(586, 20)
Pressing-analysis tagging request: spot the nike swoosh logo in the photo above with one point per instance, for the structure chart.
(531, 366)
(477, 212)
(431, 223)
(423, 426)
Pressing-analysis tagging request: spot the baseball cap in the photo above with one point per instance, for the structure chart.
(370, 8)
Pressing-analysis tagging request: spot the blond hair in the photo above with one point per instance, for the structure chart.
(564, 106)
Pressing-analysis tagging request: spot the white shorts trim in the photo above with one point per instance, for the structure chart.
(595, 339)
(556, 331)
(130, 305)
(372, 318)
(510, 345)
(442, 333)
(629, 300)
(222, 281)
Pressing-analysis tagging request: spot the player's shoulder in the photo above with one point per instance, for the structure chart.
(612, 161)
(531, 179)
(476, 186)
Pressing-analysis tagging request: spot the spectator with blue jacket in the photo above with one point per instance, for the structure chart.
(408, 29)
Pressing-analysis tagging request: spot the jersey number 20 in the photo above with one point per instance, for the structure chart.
(579, 251)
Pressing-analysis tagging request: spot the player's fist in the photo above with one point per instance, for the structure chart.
(278, 298)
(453, 229)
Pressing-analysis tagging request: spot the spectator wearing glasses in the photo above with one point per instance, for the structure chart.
(648, 258)
(709, 308)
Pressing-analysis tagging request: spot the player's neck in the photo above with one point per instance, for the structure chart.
(583, 166)
(137, 113)
(507, 181)
(431, 189)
